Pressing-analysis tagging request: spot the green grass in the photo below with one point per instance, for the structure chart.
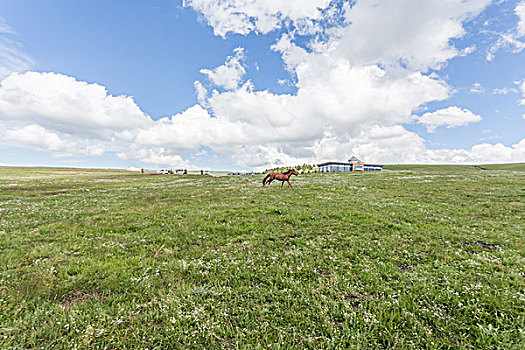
(417, 259)
(454, 167)
(509, 166)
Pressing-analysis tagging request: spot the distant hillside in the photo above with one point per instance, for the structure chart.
(442, 167)
(509, 166)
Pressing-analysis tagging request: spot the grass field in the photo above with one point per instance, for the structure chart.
(453, 167)
(422, 259)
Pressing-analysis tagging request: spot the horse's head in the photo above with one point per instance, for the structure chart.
(294, 172)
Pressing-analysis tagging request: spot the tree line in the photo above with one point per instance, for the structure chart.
(305, 168)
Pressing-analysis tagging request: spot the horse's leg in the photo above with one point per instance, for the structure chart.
(282, 183)
(290, 184)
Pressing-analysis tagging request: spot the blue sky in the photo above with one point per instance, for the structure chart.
(250, 84)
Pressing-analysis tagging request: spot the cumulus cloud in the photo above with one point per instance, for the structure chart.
(365, 80)
(393, 33)
(409, 147)
(157, 156)
(260, 16)
(66, 117)
(481, 153)
(40, 138)
(56, 113)
(450, 117)
(67, 105)
(330, 93)
(356, 88)
(260, 129)
(189, 130)
(229, 75)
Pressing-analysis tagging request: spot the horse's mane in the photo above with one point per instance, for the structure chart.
(288, 171)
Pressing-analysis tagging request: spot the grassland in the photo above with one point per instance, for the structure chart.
(426, 259)
(454, 167)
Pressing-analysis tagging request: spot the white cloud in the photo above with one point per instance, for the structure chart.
(355, 90)
(330, 92)
(229, 75)
(189, 130)
(202, 93)
(95, 150)
(58, 114)
(451, 117)
(157, 156)
(63, 116)
(504, 91)
(292, 54)
(392, 32)
(260, 16)
(398, 143)
(260, 129)
(467, 50)
(511, 39)
(495, 153)
(506, 40)
(477, 88)
(521, 85)
(61, 102)
(39, 138)
(520, 12)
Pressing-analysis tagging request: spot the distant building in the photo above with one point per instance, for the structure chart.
(353, 164)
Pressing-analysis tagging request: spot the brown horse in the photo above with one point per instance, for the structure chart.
(281, 177)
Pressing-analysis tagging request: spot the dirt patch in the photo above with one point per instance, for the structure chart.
(73, 172)
(78, 298)
(286, 239)
(322, 272)
(354, 299)
(51, 194)
(482, 245)
(406, 267)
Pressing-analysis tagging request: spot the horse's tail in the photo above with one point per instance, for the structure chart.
(264, 181)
